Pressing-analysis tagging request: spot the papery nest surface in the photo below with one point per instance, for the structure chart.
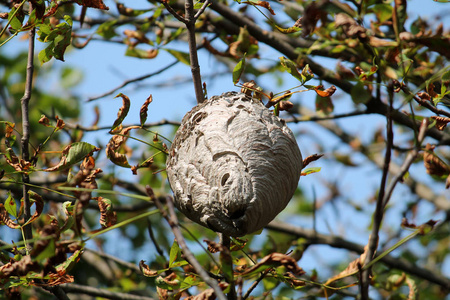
(233, 166)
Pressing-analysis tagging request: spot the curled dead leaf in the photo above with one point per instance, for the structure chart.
(146, 270)
(275, 260)
(214, 247)
(441, 122)
(433, 164)
(123, 111)
(144, 109)
(325, 93)
(285, 105)
(108, 217)
(350, 26)
(310, 159)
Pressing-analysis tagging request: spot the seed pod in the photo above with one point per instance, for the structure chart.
(233, 165)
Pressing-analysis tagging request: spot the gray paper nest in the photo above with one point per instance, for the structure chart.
(233, 165)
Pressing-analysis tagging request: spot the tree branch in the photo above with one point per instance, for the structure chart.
(173, 222)
(95, 292)
(195, 67)
(28, 234)
(338, 242)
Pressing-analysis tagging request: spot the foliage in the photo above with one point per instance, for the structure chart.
(64, 195)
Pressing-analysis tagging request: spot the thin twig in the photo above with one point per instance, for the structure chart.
(173, 12)
(422, 102)
(379, 210)
(255, 283)
(96, 292)
(195, 67)
(202, 9)
(153, 238)
(383, 201)
(227, 264)
(399, 263)
(127, 82)
(329, 117)
(173, 222)
(28, 234)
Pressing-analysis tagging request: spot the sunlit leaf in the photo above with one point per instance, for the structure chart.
(238, 70)
(310, 171)
(181, 56)
(360, 95)
(291, 68)
(10, 205)
(73, 154)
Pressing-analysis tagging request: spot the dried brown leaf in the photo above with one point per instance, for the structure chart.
(146, 270)
(325, 93)
(310, 159)
(92, 3)
(144, 109)
(278, 259)
(38, 202)
(352, 268)
(108, 217)
(9, 129)
(441, 122)
(264, 4)
(214, 247)
(433, 164)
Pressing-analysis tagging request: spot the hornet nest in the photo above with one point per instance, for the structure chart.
(233, 165)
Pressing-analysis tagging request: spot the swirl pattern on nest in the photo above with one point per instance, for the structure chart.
(233, 166)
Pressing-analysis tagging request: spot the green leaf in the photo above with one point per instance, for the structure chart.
(174, 253)
(359, 94)
(383, 12)
(72, 260)
(15, 23)
(76, 153)
(10, 205)
(49, 251)
(181, 56)
(291, 68)
(46, 54)
(309, 171)
(107, 30)
(238, 70)
(324, 105)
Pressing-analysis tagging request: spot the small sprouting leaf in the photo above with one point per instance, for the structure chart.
(238, 70)
(9, 128)
(123, 111)
(144, 109)
(181, 56)
(359, 94)
(11, 206)
(291, 68)
(174, 253)
(310, 171)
